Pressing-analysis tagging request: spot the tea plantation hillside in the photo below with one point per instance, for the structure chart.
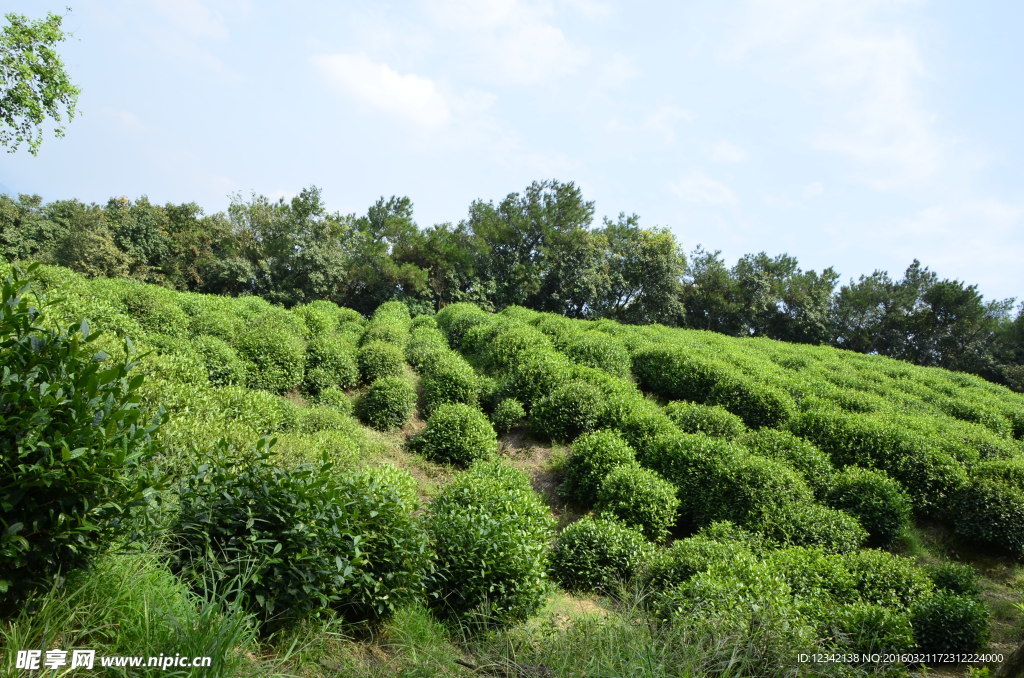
(312, 492)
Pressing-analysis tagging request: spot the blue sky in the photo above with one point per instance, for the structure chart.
(858, 133)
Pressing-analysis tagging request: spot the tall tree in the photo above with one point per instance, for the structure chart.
(33, 84)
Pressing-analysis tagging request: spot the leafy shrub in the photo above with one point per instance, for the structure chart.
(507, 415)
(457, 319)
(321, 418)
(750, 488)
(379, 359)
(321, 317)
(676, 373)
(876, 500)
(868, 628)
(385, 332)
(264, 412)
(74, 444)
(537, 373)
(277, 354)
(449, 379)
(640, 421)
(886, 579)
(330, 362)
(394, 312)
(675, 565)
(569, 410)
(931, 478)
(387, 403)
(696, 465)
(949, 622)
(296, 542)
(457, 434)
(640, 498)
(759, 405)
(425, 344)
(956, 578)
(591, 457)
(597, 349)
(711, 420)
(215, 321)
(813, 464)
(594, 554)
(992, 513)
(335, 398)
(815, 575)
(1006, 471)
(814, 525)
(490, 532)
(222, 362)
(152, 307)
(508, 341)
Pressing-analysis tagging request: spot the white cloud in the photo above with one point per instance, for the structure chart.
(509, 41)
(408, 97)
(591, 9)
(697, 187)
(866, 77)
(728, 153)
(813, 189)
(194, 17)
(661, 122)
(126, 119)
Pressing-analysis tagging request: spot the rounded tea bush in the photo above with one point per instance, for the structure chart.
(276, 353)
(758, 404)
(813, 464)
(449, 379)
(387, 403)
(600, 350)
(751, 488)
(867, 628)
(537, 373)
(676, 564)
(386, 332)
(507, 415)
(571, 409)
(992, 513)
(712, 420)
(330, 362)
(491, 533)
(639, 497)
(335, 398)
(814, 525)
(455, 320)
(299, 541)
(950, 622)
(379, 359)
(677, 373)
(877, 501)
(457, 434)
(222, 362)
(591, 457)
(593, 554)
(958, 578)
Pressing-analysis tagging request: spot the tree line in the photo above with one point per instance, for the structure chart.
(539, 248)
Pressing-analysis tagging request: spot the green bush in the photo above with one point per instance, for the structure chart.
(751, 488)
(593, 554)
(677, 564)
(677, 373)
(1006, 471)
(457, 434)
(715, 421)
(491, 533)
(321, 317)
(330, 362)
(568, 411)
(387, 404)
(321, 418)
(886, 579)
(759, 405)
(75, 446)
(215, 321)
(597, 349)
(295, 542)
(507, 415)
(992, 513)
(958, 578)
(155, 309)
(449, 379)
(277, 354)
(868, 628)
(335, 398)
(696, 464)
(509, 339)
(537, 373)
(877, 501)
(813, 464)
(591, 457)
(425, 344)
(222, 362)
(455, 320)
(264, 412)
(949, 622)
(379, 359)
(639, 420)
(814, 525)
(640, 498)
(386, 332)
